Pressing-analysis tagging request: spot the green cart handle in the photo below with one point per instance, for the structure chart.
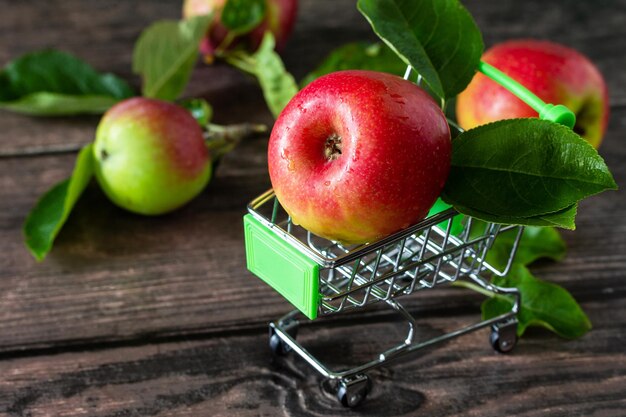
(555, 113)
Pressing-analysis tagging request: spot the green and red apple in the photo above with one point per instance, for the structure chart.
(555, 73)
(280, 17)
(358, 155)
(151, 156)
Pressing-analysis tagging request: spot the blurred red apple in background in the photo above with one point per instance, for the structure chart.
(279, 19)
(358, 155)
(555, 73)
(150, 156)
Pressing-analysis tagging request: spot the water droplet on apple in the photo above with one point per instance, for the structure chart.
(327, 183)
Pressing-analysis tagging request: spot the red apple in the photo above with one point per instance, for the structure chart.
(555, 73)
(279, 19)
(150, 155)
(358, 155)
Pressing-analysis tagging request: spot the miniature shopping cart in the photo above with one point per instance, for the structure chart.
(322, 277)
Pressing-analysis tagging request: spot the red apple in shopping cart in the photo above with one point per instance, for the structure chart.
(358, 155)
(280, 17)
(555, 73)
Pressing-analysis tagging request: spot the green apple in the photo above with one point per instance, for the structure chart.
(150, 155)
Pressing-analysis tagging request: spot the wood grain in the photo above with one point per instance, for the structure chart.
(103, 34)
(234, 375)
(134, 316)
(117, 276)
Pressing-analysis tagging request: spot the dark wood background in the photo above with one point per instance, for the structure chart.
(134, 316)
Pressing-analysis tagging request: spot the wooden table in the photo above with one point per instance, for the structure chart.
(133, 316)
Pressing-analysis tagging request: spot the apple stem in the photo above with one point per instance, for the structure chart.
(220, 140)
(455, 125)
(228, 40)
(241, 60)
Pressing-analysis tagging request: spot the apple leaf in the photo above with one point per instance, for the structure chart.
(358, 55)
(165, 55)
(54, 83)
(277, 83)
(524, 171)
(438, 38)
(200, 109)
(535, 243)
(564, 218)
(50, 213)
(241, 16)
(543, 304)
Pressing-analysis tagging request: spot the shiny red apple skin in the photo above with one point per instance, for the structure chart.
(394, 161)
(555, 73)
(280, 19)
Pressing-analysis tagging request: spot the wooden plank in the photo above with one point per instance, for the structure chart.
(103, 34)
(117, 276)
(100, 33)
(594, 28)
(233, 374)
(158, 316)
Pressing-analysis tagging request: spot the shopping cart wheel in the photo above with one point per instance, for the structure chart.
(277, 345)
(504, 336)
(353, 391)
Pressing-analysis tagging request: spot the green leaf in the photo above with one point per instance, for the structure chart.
(544, 304)
(51, 83)
(241, 16)
(200, 109)
(438, 38)
(47, 218)
(277, 84)
(358, 55)
(535, 243)
(265, 64)
(523, 168)
(563, 218)
(165, 55)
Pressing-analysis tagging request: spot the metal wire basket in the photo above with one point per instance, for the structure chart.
(322, 277)
(437, 250)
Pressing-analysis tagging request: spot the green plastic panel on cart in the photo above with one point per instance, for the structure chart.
(457, 221)
(281, 266)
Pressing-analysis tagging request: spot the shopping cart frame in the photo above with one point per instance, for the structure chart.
(319, 279)
(443, 248)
